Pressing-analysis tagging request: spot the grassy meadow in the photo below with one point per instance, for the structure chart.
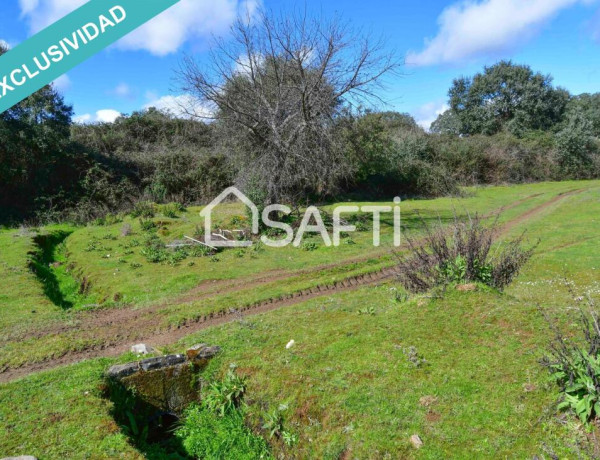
(369, 368)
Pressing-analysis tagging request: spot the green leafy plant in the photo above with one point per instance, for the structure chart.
(310, 246)
(204, 434)
(239, 220)
(367, 311)
(290, 439)
(215, 429)
(147, 225)
(576, 368)
(456, 271)
(273, 421)
(201, 251)
(399, 296)
(176, 256)
(154, 250)
(172, 210)
(225, 396)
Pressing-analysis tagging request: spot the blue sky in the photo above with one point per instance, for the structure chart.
(439, 39)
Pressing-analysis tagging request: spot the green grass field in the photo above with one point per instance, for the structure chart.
(351, 382)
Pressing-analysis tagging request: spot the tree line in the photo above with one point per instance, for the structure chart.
(287, 115)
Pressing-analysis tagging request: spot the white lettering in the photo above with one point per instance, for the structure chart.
(276, 224)
(91, 31)
(57, 54)
(5, 86)
(105, 22)
(40, 66)
(14, 78)
(376, 210)
(319, 227)
(113, 12)
(73, 44)
(28, 72)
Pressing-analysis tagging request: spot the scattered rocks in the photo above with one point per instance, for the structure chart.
(416, 441)
(202, 351)
(141, 349)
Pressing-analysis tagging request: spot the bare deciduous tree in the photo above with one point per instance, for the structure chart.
(276, 87)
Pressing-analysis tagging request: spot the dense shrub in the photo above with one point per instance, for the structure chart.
(460, 253)
(392, 155)
(143, 209)
(507, 124)
(576, 147)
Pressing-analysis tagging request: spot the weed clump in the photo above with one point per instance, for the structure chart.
(172, 210)
(576, 367)
(216, 427)
(461, 253)
(143, 209)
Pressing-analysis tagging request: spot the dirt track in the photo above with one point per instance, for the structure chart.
(119, 328)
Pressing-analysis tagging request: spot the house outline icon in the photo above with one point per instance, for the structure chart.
(207, 214)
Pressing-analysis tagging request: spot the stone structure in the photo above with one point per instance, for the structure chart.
(167, 383)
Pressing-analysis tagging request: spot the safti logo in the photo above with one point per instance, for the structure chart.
(235, 238)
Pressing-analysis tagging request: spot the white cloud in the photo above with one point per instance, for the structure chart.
(28, 5)
(85, 118)
(4, 44)
(123, 90)
(62, 83)
(183, 106)
(107, 115)
(488, 27)
(42, 13)
(428, 113)
(164, 34)
(101, 116)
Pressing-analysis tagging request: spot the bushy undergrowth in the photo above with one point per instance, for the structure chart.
(576, 367)
(216, 429)
(143, 209)
(461, 253)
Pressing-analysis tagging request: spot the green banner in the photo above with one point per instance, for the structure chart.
(57, 49)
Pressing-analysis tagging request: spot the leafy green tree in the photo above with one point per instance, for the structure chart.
(589, 106)
(507, 96)
(447, 123)
(369, 141)
(38, 169)
(576, 146)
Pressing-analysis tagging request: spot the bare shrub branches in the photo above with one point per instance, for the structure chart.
(461, 252)
(276, 86)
